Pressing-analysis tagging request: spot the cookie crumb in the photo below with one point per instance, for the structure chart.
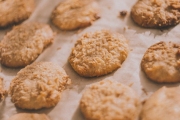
(58, 48)
(161, 30)
(97, 17)
(123, 13)
(124, 29)
(143, 102)
(144, 90)
(131, 84)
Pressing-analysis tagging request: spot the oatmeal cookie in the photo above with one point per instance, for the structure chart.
(74, 14)
(15, 11)
(38, 85)
(162, 105)
(98, 53)
(108, 100)
(156, 13)
(161, 62)
(24, 43)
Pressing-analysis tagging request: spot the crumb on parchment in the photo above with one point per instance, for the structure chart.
(123, 13)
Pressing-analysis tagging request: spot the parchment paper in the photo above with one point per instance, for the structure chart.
(130, 73)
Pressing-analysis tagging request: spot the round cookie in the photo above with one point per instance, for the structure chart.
(156, 13)
(164, 104)
(108, 100)
(29, 116)
(98, 53)
(38, 85)
(161, 62)
(15, 11)
(74, 14)
(24, 43)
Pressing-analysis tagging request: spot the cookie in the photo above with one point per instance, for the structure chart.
(156, 13)
(161, 62)
(15, 11)
(29, 116)
(98, 53)
(24, 43)
(2, 91)
(108, 100)
(164, 104)
(74, 14)
(38, 85)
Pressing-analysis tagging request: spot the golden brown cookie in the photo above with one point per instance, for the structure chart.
(98, 53)
(161, 62)
(2, 91)
(164, 104)
(156, 13)
(74, 14)
(38, 85)
(29, 116)
(108, 100)
(24, 43)
(15, 11)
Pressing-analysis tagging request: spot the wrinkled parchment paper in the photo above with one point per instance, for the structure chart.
(129, 74)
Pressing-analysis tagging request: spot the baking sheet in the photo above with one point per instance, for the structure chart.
(130, 73)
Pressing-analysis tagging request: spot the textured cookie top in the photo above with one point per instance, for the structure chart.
(98, 53)
(14, 11)
(29, 116)
(38, 85)
(2, 91)
(107, 100)
(156, 13)
(23, 44)
(163, 105)
(74, 14)
(161, 62)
